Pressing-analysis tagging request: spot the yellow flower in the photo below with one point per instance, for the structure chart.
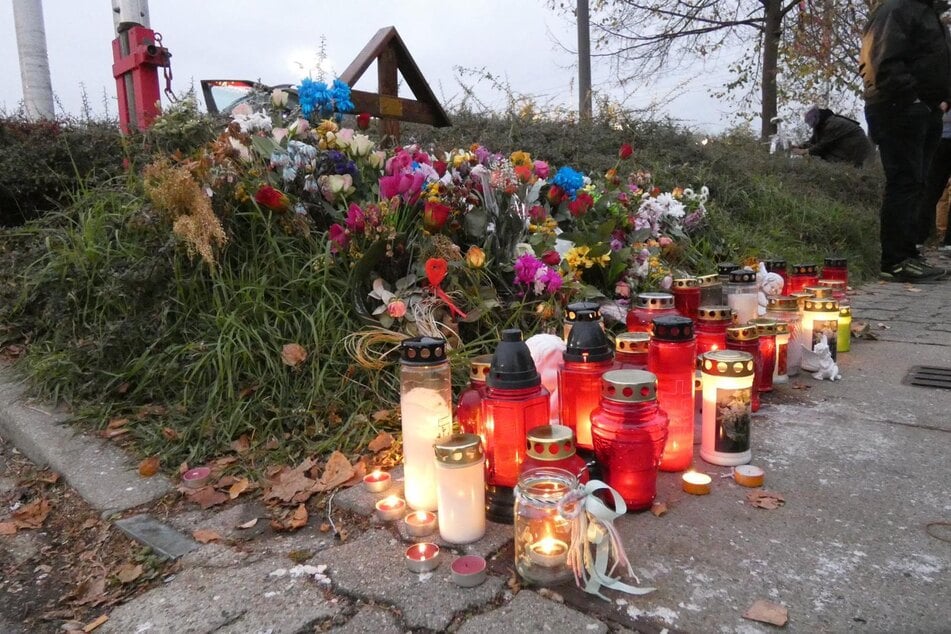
(604, 260)
(475, 257)
(576, 256)
(519, 157)
(678, 193)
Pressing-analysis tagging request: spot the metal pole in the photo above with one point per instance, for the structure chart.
(584, 62)
(34, 61)
(125, 15)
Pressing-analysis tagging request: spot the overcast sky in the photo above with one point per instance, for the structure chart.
(514, 40)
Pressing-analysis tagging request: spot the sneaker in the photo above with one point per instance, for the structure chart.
(912, 270)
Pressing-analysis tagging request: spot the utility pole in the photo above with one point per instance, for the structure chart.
(34, 62)
(584, 62)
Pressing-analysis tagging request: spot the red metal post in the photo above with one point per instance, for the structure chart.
(136, 60)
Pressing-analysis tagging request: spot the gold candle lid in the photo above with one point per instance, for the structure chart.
(782, 328)
(458, 450)
(479, 367)
(629, 386)
(764, 326)
(708, 280)
(741, 333)
(685, 282)
(655, 301)
(632, 342)
(728, 363)
(782, 303)
(714, 313)
(835, 285)
(819, 292)
(550, 442)
(821, 305)
(845, 311)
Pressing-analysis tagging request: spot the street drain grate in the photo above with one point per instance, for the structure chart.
(928, 376)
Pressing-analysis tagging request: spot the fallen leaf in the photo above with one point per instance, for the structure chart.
(92, 521)
(8, 528)
(293, 354)
(116, 423)
(225, 481)
(383, 440)
(238, 488)
(207, 497)
(298, 518)
(359, 470)
(169, 434)
(113, 433)
(203, 536)
(129, 573)
(381, 414)
(249, 524)
(49, 477)
(91, 592)
(221, 463)
(766, 499)
(292, 485)
(242, 445)
(766, 612)
(123, 388)
(149, 467)
(32, 515)
(337, 471)
(95, 623)
(272, 444)
(659, 509)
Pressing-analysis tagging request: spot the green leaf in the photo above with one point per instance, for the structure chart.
(265, 146)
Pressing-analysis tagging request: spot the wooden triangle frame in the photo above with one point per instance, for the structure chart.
(393, 58)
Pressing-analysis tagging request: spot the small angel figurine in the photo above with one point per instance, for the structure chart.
(819, 361)
(769, 284)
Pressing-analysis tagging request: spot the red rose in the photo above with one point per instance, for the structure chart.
(435, 215)
(582, 203)
(555, 194)
(625, 151)
(273, 199)
(363, 120)
(523, 172)
(551, 258)
(440, 167)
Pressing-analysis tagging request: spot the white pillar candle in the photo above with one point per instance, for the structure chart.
(460, 488)
(426, 417)
(727, 390)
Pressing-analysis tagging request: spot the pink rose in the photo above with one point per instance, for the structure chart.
(664, 241)
(396, 308)
(541, 169)
(622, 289)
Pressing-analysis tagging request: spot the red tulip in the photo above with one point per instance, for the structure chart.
(625, 151)
(435, 215)
(363, 120)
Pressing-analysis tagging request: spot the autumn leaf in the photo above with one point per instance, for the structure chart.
(207, 497)
(203, 536)
(767, 612)
(298, 518)
(337, 471)
(129, 573)
(383, 440)
(32, 515)
(169, 434)
(766, 499)
(149, 467)
(293, 354)
(91, 592)
(116, 423)
(242, 445)
(238, 488)
(49, 477)
(8, 528)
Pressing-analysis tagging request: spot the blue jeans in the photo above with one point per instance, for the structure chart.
(907, 137)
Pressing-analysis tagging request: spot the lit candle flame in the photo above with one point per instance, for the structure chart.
(391, 502)
(549, 546)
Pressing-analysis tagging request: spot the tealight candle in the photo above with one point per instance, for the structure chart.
(390, 508)
(748, 475)
(468, 571)
(696, 483)
(377, 482)
(420, 523)
(548, 552)
(196, 478)
(422, 557)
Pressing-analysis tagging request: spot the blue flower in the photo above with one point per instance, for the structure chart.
(340, 93)
(313, 95)
(569, 180)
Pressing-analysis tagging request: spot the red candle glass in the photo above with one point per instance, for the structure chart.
(712, 322)
(630, 351)
(778, 267)
(746, 339)
(835, 268)
(554, 446)
(686, 292)
(802, 275)
(649, 306)
(630, 430)
(587, 357)
(766, 329)
(838, 287)
(515, 402)
(469, 406)
(672, 358)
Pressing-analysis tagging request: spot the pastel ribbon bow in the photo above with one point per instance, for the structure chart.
(436, 269)
(593, 540)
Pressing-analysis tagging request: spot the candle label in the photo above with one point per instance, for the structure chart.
(732, 433)
(781, 351)
(829, 328)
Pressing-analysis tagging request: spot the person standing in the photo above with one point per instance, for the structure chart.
(936, 183)
(905, 64)
(835, 138)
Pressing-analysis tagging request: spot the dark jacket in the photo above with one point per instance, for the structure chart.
(838, 138)
(906, 54)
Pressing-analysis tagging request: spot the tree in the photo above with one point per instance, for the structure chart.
(644, 37)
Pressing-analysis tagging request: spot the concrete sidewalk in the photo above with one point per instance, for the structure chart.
(862, 464)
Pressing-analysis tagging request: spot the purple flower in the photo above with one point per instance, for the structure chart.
(548, 280)
(526, 266)
(356, 220)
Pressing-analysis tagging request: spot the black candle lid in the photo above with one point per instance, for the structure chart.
(742, 276)
(672, 328)
(805, 269)
(588, 343)
(422, 351)
(724, 268)
(775, 264)
(512, 364)
(836, 262)
(583, 311)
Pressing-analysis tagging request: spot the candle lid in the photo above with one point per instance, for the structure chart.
(583, 311)
(728, 363)
(821, 305)
(631, 342)
(458, 450)
(835, 285)
(805, 269)
(708, 280)
(777, 264)
(836, 262)
(655, 301)
(479, 367)
(724, 268)
(764, 326)
(629, 386)
(512, 365)
(671, 328)
(423, 351)
(587, 343)
(819, 292)
(741, 333)
(845, 311)
(551, 442)
(782, 303)
(742, 276)
(782, 328)
(715, 313)
(681, 283)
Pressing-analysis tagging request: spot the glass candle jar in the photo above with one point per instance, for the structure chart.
(545, 519)
(671, 357)
(727, 398)
(426, 413)
(469, 406)
(630, 430)
(766, 329)
(723, 275)
(746, 339)
(801, 276)
(515, 402)
(742, 295)
(587, 357)
(844, 339)
(460, 488)
(711, 291)
(554, 446)
(821, 317)
(780, 374)
(711, 325)
(686, 291)
(647, 307)
(630, 350)
(778, 266)
(838, 288)
(580, 311)
(835, 268)
(786, 309)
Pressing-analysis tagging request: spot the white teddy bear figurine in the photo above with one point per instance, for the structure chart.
(548, 354)
(819, 361)
(769, 284)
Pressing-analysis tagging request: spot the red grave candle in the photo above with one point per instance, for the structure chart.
(630, 351)
(802, 275)
(648, 307)
(686, 292)
(835, 268)
(711, 325)
(672, 358)
(766, 329)
(587, 357)
(746, 339)
(469, 406)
